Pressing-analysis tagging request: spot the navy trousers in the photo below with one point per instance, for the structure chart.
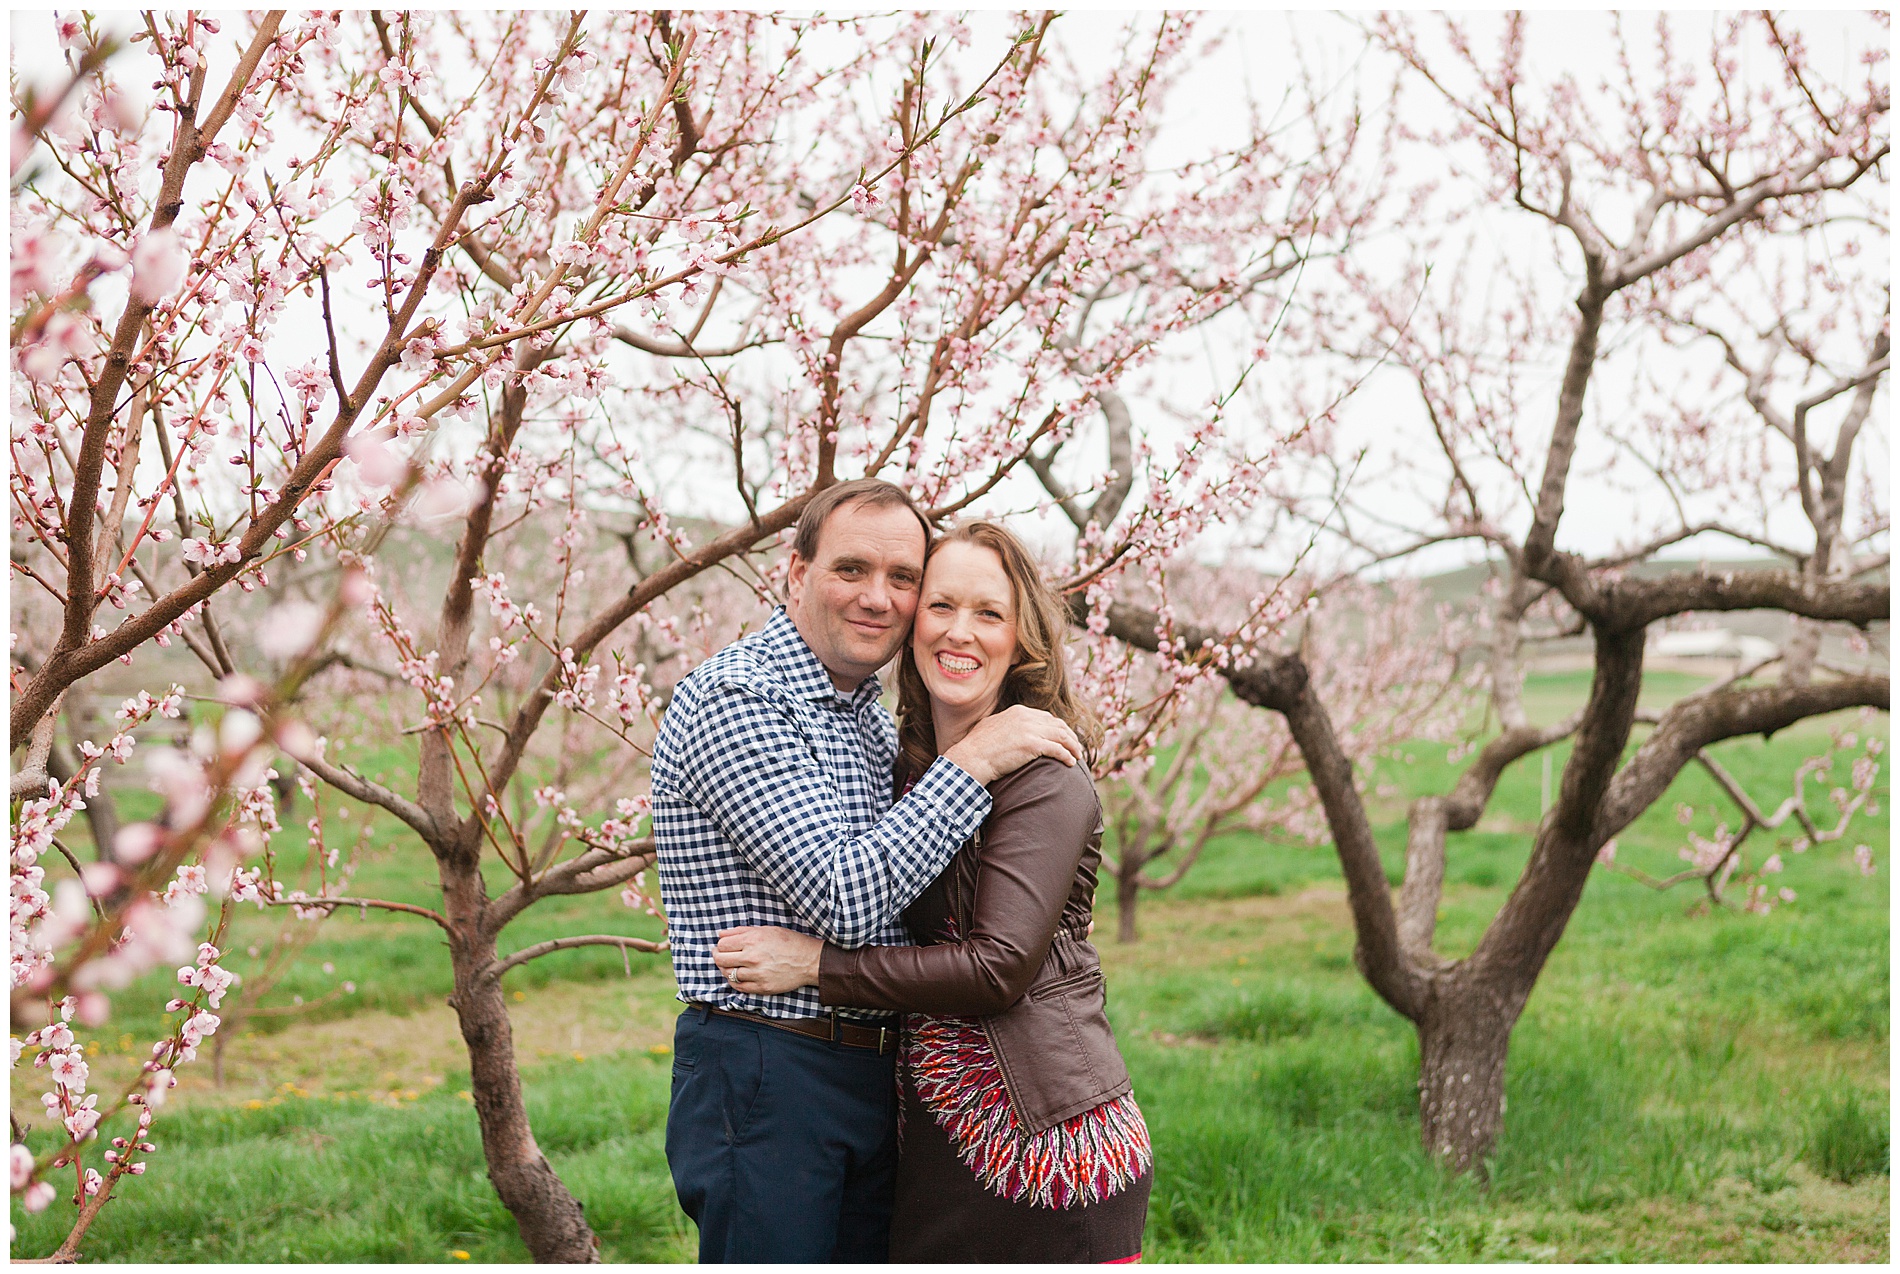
(782, 1147)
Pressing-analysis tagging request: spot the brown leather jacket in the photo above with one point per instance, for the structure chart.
(1020, 893)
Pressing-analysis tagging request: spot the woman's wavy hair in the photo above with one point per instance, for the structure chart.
(1038, 679)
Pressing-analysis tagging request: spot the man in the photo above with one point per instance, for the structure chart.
(772, 805)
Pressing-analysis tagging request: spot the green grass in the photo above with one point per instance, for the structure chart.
(1681, 1086)
(1847, 1141)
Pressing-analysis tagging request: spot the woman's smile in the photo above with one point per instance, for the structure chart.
(957, 665)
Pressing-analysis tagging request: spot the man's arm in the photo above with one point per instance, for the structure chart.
(1032, 843)
(745, 766)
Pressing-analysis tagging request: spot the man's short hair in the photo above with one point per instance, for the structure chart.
(872, 492)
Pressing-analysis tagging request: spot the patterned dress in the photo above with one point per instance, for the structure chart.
(974, 1184)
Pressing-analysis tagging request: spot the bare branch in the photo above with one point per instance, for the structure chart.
(552, 945)
(1434, 816)
(587, 872)
(1691, 725)
(332, 904)
(372, 793)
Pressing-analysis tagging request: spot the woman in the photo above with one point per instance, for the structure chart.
(1020, 1138)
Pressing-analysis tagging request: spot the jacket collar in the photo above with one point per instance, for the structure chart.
(804, 675)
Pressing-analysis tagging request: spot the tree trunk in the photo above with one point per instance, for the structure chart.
(1127, 896)
(548, 1215)
(1463, 1037)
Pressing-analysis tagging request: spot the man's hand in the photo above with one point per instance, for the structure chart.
(1011, 739)
(764, 960)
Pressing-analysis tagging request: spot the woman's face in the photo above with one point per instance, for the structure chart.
(965, 637)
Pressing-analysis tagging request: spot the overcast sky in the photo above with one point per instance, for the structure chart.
(1258, 59)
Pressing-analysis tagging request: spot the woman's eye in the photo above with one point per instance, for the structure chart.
(941, 608)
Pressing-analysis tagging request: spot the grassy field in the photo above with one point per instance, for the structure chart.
(1682, 1086)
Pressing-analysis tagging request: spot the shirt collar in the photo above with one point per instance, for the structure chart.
(786, 647)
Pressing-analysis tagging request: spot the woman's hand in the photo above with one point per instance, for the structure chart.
(764, 960)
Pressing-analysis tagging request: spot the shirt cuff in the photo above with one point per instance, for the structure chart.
(961, 801)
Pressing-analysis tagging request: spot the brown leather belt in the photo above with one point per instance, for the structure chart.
(879, 1039)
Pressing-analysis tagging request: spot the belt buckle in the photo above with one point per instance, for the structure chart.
(883, 1043)
(832, 1015)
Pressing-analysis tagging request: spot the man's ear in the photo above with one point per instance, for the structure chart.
(795, 581)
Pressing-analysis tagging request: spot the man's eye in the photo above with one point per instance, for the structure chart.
(904, 582)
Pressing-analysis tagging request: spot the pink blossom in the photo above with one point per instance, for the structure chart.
(379, 465)
(443, 498)
(190, 880)
(210, 553)
(290, 629)
(100, 879)
(296, 739)
(70, 1070)
(197, 1027)
(83, 1119)
(20, 1165)
(158, 266)
(94, 1009)
(137, 842)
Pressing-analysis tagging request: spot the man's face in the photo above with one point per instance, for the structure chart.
(853, 602)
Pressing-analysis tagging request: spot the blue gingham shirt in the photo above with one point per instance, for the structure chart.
(772, 806)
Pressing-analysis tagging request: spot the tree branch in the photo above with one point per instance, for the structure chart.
(585, 873)
(1434, 816)
(381, 904)
(539, 949)
(1691, 725)
(372, 793)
